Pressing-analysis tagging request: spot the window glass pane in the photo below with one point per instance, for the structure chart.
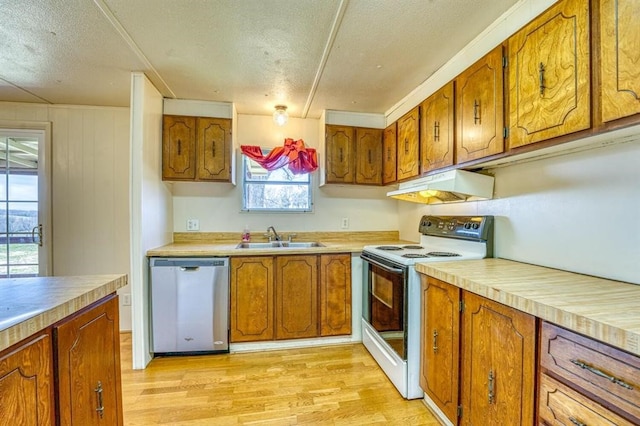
(23, 187)
(3, 250)
(3, 217)
(24, 270)
(23, 217)
(3, 185)
(21, 252)
(3, 270)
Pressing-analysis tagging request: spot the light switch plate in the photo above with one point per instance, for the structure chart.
(193, 225)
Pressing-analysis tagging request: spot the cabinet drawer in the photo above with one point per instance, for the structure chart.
(609, 375)
(560, 405)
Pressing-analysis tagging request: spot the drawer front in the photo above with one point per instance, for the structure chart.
(611, 376)
(560, 405)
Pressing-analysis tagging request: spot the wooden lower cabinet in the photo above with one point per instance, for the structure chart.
(26, 383)
(87, 364)
(252, 289)
(290, 297)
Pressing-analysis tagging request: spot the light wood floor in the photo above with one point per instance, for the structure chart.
(337, 385)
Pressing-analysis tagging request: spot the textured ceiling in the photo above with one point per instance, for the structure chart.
(311, 55)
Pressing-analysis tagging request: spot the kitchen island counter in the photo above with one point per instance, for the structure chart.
(29, 305)
(606, 310)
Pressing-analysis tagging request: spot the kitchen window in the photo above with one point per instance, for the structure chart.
(274, 191)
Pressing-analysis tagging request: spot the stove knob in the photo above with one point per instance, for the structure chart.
(467, 225)
(476, 225)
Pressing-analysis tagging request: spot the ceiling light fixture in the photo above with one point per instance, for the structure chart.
(280, 116)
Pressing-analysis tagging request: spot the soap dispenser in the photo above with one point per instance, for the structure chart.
(246, 235)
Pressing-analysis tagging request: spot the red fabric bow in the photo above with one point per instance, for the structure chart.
(294, 154)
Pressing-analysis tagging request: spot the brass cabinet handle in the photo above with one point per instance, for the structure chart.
(435, 341)
(213, 148)
(406, 146)
(491, 387)
(436, 130)
(98, 391)
(476, 111)
(179, 147)
(601, 373)
(576, 422)
(340, 153)
(370, 161)
(388, 154)
(541, 78)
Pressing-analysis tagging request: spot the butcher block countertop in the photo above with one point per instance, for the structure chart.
(603, 309)
(224, 244)
(29, 305)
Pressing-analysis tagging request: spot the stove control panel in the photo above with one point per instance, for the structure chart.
(476, 228)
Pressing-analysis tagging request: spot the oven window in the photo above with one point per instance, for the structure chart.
(386, 307)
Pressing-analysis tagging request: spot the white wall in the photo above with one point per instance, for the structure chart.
(151, 204)
(90, 185)
(217, 206)
(578, 212)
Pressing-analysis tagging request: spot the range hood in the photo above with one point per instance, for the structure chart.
(446, 187)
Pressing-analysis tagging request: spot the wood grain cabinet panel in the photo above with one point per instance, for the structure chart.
(335, 294)
(252, 298)
(408, 149)
(88, 366)
(368, 156)
(214, 149)
(620, 58)
(26, 383)
(498, 364)
(440, 344)
(340, 154)
(389, 154)
(296, 297)
(479, 109)
(437, 129)
(549, 75)
(178, 147)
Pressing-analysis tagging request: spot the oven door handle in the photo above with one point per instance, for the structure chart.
(381, 265)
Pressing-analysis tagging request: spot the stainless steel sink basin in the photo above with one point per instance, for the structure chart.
(280, 244)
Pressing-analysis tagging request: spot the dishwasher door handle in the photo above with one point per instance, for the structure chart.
(189, 268)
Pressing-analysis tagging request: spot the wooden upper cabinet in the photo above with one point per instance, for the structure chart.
(26, 383)
(340, 153)
(620, 58)
(408, 145)
(437, 129)
(88, 366)
(335, 294)
(252, 296)
(214, 149)
(479, 109)
(296, 297)
(178, 147)
(389, 154)
(368, 156)
(440, 344)
(498, 364)
(549, 75)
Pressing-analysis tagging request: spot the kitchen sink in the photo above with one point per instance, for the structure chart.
(280, 244)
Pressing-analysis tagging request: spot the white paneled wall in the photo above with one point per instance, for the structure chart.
(90, 186)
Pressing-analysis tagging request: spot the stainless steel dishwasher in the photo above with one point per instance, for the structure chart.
(189, 305)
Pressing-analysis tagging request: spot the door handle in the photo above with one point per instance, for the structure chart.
(37, 229)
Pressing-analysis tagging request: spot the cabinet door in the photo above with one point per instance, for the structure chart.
(335, 294)
(409, 145)
(252, 294)
(389, 153)
(437, 129)
(498, 364)
(214, 149)
(368, 156)
(620, 58)
(296, 297)
(26, 384)
(440, 344)
(479, 109)
(340, 151)
(88, 366)
(549, 69)
(178, 148)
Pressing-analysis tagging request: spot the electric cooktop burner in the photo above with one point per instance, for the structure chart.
(389, 248)
(410, 247)
(415, 255)
(442, 254)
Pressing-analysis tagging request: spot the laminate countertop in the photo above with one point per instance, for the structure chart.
(606, 310)
(29, 305)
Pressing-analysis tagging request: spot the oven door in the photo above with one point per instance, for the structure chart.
(384, 304)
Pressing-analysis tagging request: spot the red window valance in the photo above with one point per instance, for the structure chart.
(299, 158)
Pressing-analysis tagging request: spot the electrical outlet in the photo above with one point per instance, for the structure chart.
(344, 223)
(193, 225)
(126, 299)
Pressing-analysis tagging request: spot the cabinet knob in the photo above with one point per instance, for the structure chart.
(541, 79)
(491, 386)
(435, 341)
(98, 391)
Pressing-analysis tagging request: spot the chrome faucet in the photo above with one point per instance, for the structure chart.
(275, 234)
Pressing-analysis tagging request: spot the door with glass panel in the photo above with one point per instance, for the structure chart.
(23, 213)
